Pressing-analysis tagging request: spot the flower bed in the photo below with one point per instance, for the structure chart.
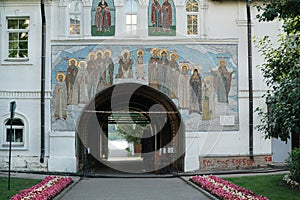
(224, 189)
(48, 188)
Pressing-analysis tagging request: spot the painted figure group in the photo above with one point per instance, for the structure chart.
(103, 17)
(84, 79)
(161, 16)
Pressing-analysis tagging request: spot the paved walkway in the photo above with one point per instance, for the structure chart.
(146, 188)
(133, 189)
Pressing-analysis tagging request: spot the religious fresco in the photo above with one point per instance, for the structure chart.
(103, 18)
(200, 79)
(162, 18)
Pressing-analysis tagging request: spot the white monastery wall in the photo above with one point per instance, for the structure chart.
(221, 23)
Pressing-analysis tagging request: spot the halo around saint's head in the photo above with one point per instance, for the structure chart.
(99, 51)
(72, 59)
(140, 51)
(60, 74)
(195, 68)
(92, 54)
(220, 61)
(175, 54)
(154, 49)
(184, 65)
(84, 62)
(125, 51)
(163, 50)
(108, 51)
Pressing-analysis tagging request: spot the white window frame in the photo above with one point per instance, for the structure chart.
(5, 51)
(198, 19)
(69, 14)
(131, 24)
(14, 127)
(4, 144)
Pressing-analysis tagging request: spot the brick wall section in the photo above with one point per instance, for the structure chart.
(233, 162)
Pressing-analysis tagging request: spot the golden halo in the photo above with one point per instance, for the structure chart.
(222, 60)
(163, 50)
(108, 51)
(92, 53)
(125, 51)
(154, 49)
(207, 78)
(173, 53)
(140, 50)
(99, 51)
(83, 61)
(184, 65)
(69, 62)
(60, 74)
(194, 70)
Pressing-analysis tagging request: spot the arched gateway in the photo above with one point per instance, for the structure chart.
(133, 103)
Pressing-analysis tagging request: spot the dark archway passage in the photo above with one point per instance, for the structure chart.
(132, 103)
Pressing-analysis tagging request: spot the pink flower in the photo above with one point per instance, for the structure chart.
(224, 189)
(48, 188)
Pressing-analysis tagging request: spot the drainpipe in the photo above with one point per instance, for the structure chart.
(250, 80)
(43, 50)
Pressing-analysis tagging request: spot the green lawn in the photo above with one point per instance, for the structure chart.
(16, 185)
(270, 186)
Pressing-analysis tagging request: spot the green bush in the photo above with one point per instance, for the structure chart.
(293, 163)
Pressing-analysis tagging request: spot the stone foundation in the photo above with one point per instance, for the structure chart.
(233, 162)
(23, 163)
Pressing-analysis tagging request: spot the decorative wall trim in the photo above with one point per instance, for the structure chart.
(256, 93)
(139, 41)
(242, 22)
(23, 94)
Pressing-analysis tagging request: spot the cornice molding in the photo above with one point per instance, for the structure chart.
(23, 94)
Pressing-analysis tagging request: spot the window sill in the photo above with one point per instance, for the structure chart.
(14, 145)
(14, 60)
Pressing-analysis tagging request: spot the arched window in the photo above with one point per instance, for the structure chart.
(75, 13)
(17, 131)
(131, 17)
(192, 16)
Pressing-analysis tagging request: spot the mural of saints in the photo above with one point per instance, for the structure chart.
(109, 68)
(183, 87)
(103, 17)
(125, 65)
(173, 75)
(166, 15)
(99, 19)
(101, 70)
(92, 68)
(196, 92)
(173, 70)
(208, 99)
(70, 79)
(222, 81)
(153, 65)
(81, 86)
(60, 97)
(156, 15)
(163, 71)
(140, 65)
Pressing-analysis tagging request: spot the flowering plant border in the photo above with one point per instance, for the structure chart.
(224, 189)
(48, 188)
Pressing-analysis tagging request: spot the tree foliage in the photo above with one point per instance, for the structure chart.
(132, 132)
(281, 71)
